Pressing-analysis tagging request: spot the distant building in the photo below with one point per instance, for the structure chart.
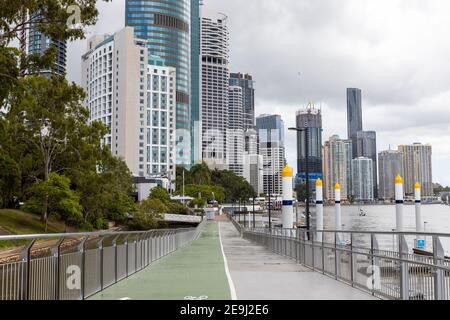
(251, 142)
(38, 43)
(354, 117)
(235, 131)
(271, 146)
(390, 165)
(245, 81)
(129, 91)
(417, 164)
(254, 171)
(311, 120)
(214, 94)
(362, 179)
(366, 146)
(337, 163)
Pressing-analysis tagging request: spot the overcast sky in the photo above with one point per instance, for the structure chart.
(396, 51)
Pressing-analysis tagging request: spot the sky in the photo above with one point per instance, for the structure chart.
(299, 51)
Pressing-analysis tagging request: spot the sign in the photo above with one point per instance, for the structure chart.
(420, 244)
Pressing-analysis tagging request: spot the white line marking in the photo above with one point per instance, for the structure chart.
(125, 298)
(227, 271)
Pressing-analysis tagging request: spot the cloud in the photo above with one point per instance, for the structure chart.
(396, 51)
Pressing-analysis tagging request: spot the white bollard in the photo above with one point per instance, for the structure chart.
(287, 209)
(399, 201)
(419, 221)
(337, 207)
(319, 208)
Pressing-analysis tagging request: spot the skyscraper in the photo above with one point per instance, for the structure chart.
(310, 119)
(251, 142)
(418, 168)
(235, 131)
(366, 145)
(39, 43)
(245, 81)
(166, 25)
(214, 98)
(390, 164)
(128, 90)
(196, 128)
(362, 179)
(354, 117)
(337, 163)
(271, 145)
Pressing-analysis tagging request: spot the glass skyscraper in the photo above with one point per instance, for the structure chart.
(196, 128)
(166, 26)
(354, 117)
(245, 81)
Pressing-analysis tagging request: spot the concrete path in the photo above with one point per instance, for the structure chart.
(197, 270)
(259, 274)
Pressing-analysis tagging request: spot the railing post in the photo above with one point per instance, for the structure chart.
(126, 255)
(100, 247)
(336, 271)
(82, 248)
(114, 243)
(404, 268)
(376, 281)
(56, 252)
(26, 257)
(352, 262)
(439, 275)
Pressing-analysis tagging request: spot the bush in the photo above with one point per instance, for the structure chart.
(147, 215)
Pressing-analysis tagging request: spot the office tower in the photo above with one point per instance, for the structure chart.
(390, 165)
(38, 43)
(271, 146)
(235, 132)
(311, 120)
(362, 179)
(166, 27)
(251, 142)
(245, 81)
(129, 90)
(196, 127)
(354, 117)
(337, 163)
(214, 97)
(366, 145)
(254, 171)
(418, 168)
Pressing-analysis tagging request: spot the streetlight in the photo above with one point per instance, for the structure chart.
(307, 213)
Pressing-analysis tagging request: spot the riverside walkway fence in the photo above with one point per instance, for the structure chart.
(381, 263)
(78, 265)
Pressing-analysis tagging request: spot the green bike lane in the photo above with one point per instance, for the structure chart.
(197, 270)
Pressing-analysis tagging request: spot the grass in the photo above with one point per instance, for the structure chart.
(14, 222)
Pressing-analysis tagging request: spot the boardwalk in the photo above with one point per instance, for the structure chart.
(200, 270)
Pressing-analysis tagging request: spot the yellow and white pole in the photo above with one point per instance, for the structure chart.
(419, 220)
(319, 208)
(337, 207)
(287, 209)
(399, 201)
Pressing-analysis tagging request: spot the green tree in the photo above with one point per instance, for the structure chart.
(60, 199)
(200, 174)
(9, 179)
(300, 189)
(160, 194)
(236, 188)
(148, 214)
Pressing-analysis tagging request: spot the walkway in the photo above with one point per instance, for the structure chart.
(197, 271)
(259, 274)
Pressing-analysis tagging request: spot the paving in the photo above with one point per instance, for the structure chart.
(259, 274)
(194, 272)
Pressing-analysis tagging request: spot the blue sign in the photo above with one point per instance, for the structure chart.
(421, 244)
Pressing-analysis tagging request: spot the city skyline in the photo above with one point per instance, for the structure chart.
(285, 97)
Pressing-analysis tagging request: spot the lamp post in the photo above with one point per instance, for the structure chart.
(307, 213)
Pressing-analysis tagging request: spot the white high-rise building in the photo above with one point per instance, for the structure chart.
(132, 93)
(337, 164)
(251, 142)
(362, 179)
(235, 132)
(215, 79)
(417, 165)
(390, 164)
(254, 171)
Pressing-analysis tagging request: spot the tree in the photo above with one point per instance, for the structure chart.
(236, 188)
(208, 193)
(9, 179)
(300, 189)
(60, 199)
(160, 194)
(200, 174)
(148, 214)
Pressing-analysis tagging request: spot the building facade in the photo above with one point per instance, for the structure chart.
(166, 27)
(130, 91)
(366, 145)
(196, 127)
(337, 163)
(214, 93)
(254, 171)
(417, 164)
(354, 117)
(235, 131)
(251, 142)
(362, 179)
(245, 81)
(38, 43)
(271, 146)
(309, 119)
(390, 163)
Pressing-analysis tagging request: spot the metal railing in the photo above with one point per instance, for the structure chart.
(76, 266)
(381, 263)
